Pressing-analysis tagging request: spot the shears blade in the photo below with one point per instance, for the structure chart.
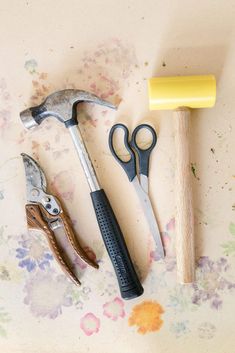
(35, 177)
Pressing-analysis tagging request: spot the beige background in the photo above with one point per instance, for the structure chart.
(117, 45)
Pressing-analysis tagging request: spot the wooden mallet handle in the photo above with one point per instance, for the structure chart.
(184, 210)
(173, 93)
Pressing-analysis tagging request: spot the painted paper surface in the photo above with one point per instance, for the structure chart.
(40, 309)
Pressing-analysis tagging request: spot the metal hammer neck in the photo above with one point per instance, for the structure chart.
(84, 158)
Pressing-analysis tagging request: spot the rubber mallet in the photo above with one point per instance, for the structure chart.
(181, 93)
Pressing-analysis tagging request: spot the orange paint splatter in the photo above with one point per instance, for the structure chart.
(146, 316)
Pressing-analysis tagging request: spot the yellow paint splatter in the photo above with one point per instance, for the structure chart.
(146, 316)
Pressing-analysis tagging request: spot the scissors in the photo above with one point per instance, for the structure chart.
(44, 212)
(140, 183)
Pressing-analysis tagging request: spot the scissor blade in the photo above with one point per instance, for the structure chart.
(35, 177)
(149, 214)
(144, 183)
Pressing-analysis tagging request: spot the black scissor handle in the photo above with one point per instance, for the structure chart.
(143, 154)
(129, 166)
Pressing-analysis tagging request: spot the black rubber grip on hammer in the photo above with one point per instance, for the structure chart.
(129, 284)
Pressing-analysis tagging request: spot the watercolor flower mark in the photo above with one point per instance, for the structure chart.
(4, 318)
(31, 66)
(229, 247)
(79, 296)
(146, 316)
(168, 246)
(206, 330)
(90, 324)
(32, 253)
(211, 282)
(180, 328)
(114, 309)
(40, 88)
(47, 293)
(63, 184)
(180, 299)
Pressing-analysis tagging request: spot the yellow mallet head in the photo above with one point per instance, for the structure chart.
(182, 91)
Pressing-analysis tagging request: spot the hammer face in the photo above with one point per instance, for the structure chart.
(27, 119)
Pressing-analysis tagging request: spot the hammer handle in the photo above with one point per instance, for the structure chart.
(129, 284)
(184, 209)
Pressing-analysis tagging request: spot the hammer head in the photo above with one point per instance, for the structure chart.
(62, 105)
(182, 91)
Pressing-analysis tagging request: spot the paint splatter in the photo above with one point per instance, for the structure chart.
(58, 153)
(106, 68)
(63, 185)
(180, 299)
(229, 246)
(170, 226)
(31, 66)
(206, 330)
(90, 324)
(33, 253)
(40, 88)
(211, 282)
(4, 274)
(77, 261)
(47, 293)
(114, 309)
(180, 328)
(5, 112)
(4, 319)
(1, 194)
(167, 237)
(147, 317)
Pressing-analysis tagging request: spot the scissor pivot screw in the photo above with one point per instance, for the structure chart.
(48, 206)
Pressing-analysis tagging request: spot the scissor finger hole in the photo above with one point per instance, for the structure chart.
(144, 138)
(119, 146)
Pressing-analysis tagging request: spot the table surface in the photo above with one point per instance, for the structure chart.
(111, 48)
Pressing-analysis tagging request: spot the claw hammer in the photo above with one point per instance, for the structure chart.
(63, 106)
(181, 93)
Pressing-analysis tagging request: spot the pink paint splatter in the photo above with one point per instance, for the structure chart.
(47, 146)
(77, 260)
(21, 137)
(106, 68)
(114, 309)
(90, 324)
(64, 185)
(171, 225)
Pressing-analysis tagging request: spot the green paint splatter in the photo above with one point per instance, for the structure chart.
(31, 66)
(229, 247)
(4, 318)
(1, 194)
(232, 228)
